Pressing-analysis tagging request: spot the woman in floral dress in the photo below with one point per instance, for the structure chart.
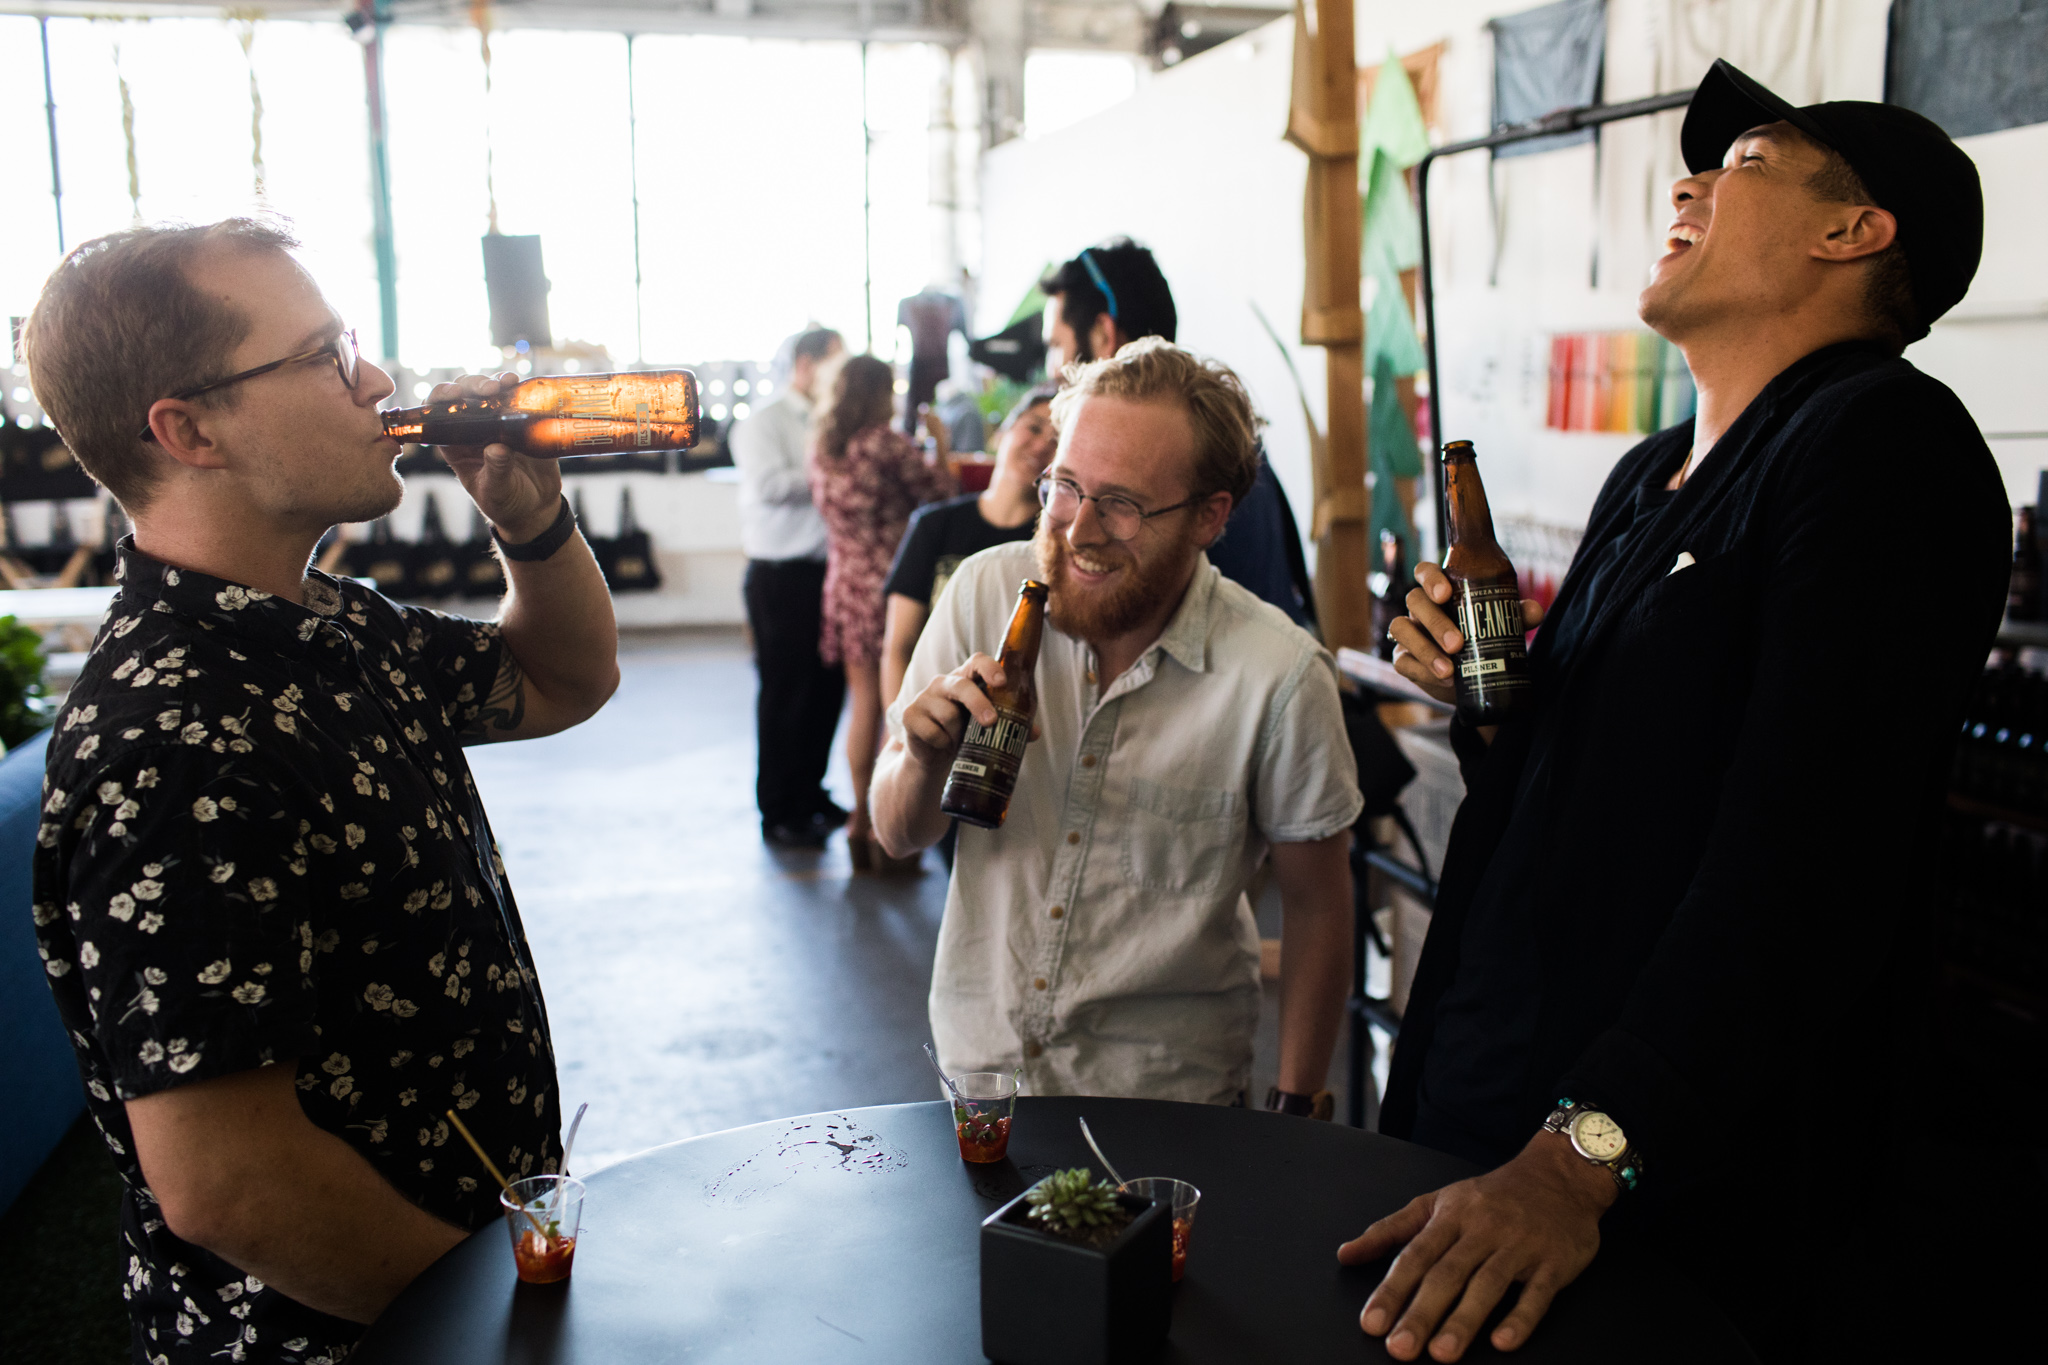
(866, 480)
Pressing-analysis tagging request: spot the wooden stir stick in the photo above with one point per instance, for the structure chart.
(491, 1166)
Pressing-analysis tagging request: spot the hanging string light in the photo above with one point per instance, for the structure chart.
(245, 32)
(480, 15)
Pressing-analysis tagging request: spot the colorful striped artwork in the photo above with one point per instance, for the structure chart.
(1626, 382)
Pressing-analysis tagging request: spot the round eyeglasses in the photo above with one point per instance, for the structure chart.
(1122, 518)
(342, 351)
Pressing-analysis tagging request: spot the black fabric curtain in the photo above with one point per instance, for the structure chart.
(1545, 60)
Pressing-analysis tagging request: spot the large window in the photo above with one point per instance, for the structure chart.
(750, 161)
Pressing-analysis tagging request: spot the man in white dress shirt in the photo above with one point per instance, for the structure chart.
(1101, 938)
(784, 537)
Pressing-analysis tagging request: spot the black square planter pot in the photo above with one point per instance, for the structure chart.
(1048, 1301)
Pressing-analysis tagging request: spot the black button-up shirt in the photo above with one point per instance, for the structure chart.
(261, 845)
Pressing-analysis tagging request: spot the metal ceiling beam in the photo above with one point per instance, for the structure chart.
(905, 21)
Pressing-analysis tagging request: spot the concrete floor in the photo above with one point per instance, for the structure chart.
(697, 980)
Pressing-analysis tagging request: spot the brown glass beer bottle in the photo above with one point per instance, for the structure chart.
(984, 774)
(1390, 603)
(2023, 591)
(1492, 668)
(562, 415)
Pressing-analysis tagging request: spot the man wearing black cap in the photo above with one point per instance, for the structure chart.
(1667, 977)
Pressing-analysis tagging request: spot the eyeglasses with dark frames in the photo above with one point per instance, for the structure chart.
(342, 351)
(1121, 517)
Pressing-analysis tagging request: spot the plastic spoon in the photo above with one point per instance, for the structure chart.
(574, 1124)
(1093, 1147)
(944, 1079)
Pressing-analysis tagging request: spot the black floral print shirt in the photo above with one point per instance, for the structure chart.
(261, 845)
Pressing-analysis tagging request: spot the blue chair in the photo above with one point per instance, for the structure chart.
(38, 1071)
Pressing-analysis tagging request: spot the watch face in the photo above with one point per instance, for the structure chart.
(1598, 1136)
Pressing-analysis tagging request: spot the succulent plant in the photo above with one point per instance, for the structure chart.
(1072, 1200)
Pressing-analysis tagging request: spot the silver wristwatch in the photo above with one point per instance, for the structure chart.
(1599, 1139)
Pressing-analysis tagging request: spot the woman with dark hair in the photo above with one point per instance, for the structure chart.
(866, 480)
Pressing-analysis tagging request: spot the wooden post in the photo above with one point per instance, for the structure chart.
(1323, 122)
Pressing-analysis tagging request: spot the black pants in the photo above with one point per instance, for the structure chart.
(798, 710)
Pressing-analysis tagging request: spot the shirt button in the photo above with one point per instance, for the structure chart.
(1039, 984)
(1090, 675)
(1034, 1049)
(1073, 836)
(1087, 760)
(1058, 910)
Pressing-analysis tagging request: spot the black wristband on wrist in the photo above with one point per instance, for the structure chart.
(543, 545)
(1321, 1105)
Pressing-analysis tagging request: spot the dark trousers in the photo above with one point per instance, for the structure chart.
(798, 710)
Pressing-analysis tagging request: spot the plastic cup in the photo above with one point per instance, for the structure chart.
(983, 1104)
(1182, 1198)
(543, 1255)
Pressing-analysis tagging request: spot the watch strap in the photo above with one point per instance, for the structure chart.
(543, 545)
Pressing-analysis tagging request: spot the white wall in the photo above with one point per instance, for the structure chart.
(1194, 166)
(1993, 348)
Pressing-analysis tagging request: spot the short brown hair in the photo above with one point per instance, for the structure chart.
(1214, 398)
(1888, 286)
(120, 325)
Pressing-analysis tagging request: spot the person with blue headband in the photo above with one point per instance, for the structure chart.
(1111, 295)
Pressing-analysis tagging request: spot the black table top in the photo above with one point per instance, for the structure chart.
(853, 1236)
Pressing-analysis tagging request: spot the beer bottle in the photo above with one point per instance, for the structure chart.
(1492, 668)
(2023, 593)
(562, 415)
(984, 774)
(1390, 603)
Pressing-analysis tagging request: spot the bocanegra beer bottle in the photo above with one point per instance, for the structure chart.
(563, 415)
(1492, 668)
(984, 774)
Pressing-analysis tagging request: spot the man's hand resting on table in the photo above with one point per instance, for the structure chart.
(1534, 1221)
(1427, 640)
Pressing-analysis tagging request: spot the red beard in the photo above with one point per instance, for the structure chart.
(1124, 602)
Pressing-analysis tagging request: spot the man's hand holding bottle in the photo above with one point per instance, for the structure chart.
(1427, 640)
(518, 494)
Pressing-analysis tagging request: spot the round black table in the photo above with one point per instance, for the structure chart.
(853, 1236)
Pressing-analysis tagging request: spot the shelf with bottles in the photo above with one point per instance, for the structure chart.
(1993, 903)
(435, 567)
(2001, 757)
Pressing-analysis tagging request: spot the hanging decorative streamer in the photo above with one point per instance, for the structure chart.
(480, 15)
(245, 32)
(128, 130)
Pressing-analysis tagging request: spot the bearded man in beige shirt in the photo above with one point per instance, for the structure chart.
(1101, 939)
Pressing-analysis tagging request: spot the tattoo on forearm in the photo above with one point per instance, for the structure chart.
(505, 708)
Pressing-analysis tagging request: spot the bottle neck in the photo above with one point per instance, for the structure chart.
(1021, 641)
(1471, 520)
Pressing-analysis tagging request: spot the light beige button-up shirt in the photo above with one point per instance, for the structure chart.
(1101, 938)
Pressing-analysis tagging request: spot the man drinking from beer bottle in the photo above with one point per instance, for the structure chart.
(1100, 937)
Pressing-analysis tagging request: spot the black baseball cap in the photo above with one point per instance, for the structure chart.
(1913, 170)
